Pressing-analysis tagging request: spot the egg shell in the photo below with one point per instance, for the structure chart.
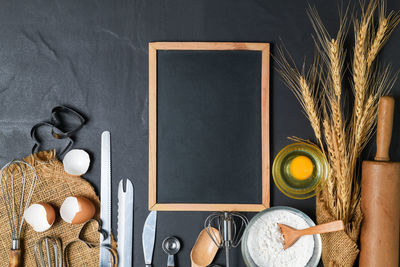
(33, 213)
(50, 212)
(86, 211)
(76, 162)
(77, 209)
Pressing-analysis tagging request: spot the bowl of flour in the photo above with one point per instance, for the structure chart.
(262, 244)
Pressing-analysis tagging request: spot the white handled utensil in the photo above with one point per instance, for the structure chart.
(105, 197)
(125, 223)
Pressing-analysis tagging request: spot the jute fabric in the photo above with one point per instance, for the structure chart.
(339, 249)
(53, 186)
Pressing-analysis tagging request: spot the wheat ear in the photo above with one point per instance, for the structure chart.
(385, 28)
(304, 87)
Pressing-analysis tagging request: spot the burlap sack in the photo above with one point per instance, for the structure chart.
(53, 186)
(338, 248)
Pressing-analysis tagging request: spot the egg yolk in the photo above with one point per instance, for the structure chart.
(301, 167)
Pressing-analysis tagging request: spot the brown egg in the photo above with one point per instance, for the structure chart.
(76, 210)
(40, 216)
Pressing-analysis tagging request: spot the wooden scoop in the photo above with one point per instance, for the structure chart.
(204, 250)
(290, 235)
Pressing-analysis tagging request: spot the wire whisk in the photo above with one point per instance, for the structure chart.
(230, 225)
(17, 182)
(52, 252)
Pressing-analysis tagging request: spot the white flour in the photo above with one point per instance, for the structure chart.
(265, 241)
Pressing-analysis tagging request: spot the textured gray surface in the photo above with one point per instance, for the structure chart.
(92, 55)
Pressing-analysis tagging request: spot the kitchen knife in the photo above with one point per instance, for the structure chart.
(148, 237)
(125, 223)
(105, 198)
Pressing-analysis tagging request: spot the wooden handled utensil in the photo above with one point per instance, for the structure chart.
(291, 235)
(17, 183)
(204, 250)
(380, 197)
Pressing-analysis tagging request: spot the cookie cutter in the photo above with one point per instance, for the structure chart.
(112, 252)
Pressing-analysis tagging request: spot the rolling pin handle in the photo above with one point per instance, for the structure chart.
(384, 128)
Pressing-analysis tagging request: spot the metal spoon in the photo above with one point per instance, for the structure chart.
(171, 246)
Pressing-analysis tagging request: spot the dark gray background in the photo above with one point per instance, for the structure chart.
(92, 55)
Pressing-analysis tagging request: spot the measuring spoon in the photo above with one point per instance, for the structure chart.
(171, 246)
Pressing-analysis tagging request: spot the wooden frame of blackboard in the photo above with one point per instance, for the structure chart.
(264, 88)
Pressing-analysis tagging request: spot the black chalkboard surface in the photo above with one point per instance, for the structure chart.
(208, 134)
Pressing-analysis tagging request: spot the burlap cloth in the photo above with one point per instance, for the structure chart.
(338, 248)
(53, 186)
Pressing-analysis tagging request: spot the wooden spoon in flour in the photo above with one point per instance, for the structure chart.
(290, 235)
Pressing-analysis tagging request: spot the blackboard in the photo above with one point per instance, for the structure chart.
(208, 126)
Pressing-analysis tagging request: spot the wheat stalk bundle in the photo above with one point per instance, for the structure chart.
(343, 133)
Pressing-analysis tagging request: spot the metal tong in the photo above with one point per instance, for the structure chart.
(52, 253)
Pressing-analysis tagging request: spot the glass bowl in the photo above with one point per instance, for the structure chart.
(296, 188)
(316, 256)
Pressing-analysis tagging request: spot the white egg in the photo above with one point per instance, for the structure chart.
(76, 162)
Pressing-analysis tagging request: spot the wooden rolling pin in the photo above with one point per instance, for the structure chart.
(380, 198)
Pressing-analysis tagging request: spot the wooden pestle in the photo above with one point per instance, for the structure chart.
(380, 198)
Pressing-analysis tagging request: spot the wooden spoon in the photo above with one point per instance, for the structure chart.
(290, 235)
(204, 250)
